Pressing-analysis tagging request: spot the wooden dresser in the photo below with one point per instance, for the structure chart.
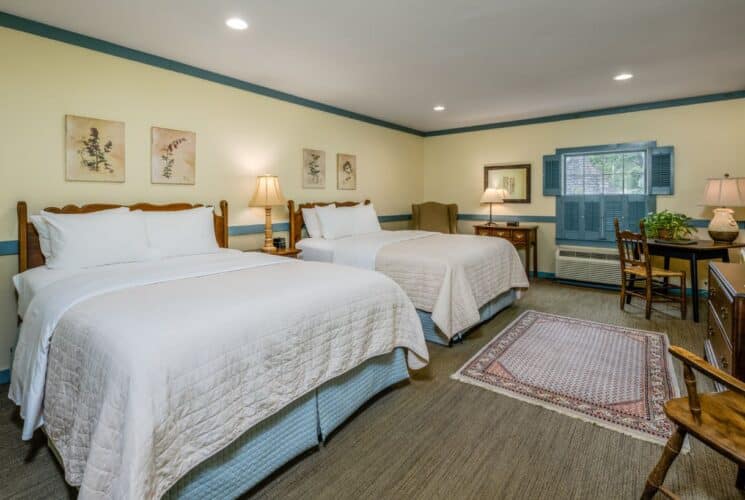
(522, 236)
(725, 339)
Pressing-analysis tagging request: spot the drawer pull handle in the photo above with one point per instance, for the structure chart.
(723, 313)
(724, 362)
(709, 331)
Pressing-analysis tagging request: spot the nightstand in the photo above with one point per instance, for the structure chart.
(522, 236)
(286, 252)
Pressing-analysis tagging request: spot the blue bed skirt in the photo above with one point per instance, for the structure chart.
(298, 427)
(433, 334)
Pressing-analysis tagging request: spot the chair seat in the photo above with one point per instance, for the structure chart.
(656, 271)
(722, 424)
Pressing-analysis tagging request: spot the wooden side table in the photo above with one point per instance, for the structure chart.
(286, 252)
(523, 236)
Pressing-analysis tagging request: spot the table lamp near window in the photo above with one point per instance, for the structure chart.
(724, 193)
(492, 196)
(267, 195)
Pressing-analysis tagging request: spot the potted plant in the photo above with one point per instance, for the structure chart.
(668, 226)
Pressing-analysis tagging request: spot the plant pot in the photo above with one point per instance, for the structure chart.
(664, 234)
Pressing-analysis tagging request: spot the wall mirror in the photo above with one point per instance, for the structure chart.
(515, 179)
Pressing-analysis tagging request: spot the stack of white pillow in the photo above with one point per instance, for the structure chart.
(118, 235)
(332, 222)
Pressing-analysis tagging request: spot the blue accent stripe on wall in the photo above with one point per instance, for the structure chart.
(4, 376)
(669, 103)
(77, 39)
(394, 218)
(9, 247)
(72, 38)
(548, 219)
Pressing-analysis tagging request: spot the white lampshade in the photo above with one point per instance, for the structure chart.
(726, 192)
(494, 195)
(268, 193)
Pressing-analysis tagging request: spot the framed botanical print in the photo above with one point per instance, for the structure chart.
(514, 179)
(94, 149)
(346, 171)
(314, 169)
(172, 156)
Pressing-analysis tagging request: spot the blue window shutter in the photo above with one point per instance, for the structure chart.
(592, 217)
(636, 207)
(568, 217)
(552, 175)
(612, 209)
(661, 179)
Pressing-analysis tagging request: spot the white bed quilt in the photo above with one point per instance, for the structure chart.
(147, 380)
(448, 275)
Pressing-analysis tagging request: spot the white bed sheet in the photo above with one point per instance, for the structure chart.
(316, 249)
(448, 275)
(144, 371)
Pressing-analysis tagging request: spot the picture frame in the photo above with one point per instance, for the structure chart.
(346, 171)
(172, 156)
(94, 149)
(514, 178)
(314, 169)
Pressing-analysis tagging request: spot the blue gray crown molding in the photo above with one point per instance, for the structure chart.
(630, 108)
(70, 37)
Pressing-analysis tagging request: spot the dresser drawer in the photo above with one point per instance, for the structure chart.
(722, 352)
(721, 307)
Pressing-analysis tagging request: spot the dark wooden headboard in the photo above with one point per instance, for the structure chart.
(29, 251)
(296, 215)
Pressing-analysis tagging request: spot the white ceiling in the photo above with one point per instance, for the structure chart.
(487, 61)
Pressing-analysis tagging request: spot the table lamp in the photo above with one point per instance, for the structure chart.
(267, 195)
(723, 193)
(492, 196)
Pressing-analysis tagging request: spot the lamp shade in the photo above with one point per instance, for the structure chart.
(725, 192)
(268, 193)
(494, 195)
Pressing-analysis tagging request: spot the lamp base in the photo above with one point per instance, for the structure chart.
(723, 226)
(268, 242)
(491, 224)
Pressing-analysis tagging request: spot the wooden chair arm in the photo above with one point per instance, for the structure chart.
(707, 369)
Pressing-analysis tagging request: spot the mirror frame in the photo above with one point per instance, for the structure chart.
(524, 166)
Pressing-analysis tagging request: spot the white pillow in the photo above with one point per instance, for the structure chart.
(347, 221)
(312, 224)
(182, 232)
(43, 230)
(107, 238)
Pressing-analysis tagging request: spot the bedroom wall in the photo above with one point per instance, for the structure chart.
(709, 140)
(239, 135)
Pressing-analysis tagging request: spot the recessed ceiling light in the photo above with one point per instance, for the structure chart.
(439, 107)
(236, 23)
(623, 76)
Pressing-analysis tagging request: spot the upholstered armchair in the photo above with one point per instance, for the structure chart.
(437, 217)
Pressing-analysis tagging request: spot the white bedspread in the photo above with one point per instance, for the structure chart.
(144, 371)
(449, 275)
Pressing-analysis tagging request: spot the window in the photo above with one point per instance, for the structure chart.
(596, 184)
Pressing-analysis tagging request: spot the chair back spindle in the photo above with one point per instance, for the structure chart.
(632, 247)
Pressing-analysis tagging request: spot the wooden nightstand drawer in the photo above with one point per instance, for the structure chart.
(519, 236)
(721, 306)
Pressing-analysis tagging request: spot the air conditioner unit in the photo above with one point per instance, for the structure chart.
(588, 264)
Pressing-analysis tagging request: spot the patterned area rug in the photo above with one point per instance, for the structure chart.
(609, 375)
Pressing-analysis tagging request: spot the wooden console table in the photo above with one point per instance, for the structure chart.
(701, 250)
(523, 236)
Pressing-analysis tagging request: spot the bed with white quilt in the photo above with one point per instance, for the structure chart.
(455, 281)
(161, 364)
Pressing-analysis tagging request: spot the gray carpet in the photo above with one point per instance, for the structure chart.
(438, 438)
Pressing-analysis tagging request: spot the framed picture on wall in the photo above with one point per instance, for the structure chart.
(94, 149)
(172, 156)
(346, 171)
(314, 169)
(515, 179)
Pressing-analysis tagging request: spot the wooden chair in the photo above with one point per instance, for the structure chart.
(716, 419)
(433, 216)
(636, 265)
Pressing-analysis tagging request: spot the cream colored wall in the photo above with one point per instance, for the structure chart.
(239, 135)
(709, 140)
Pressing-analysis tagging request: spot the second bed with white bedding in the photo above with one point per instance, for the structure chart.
(150, 374)
(450, 276)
